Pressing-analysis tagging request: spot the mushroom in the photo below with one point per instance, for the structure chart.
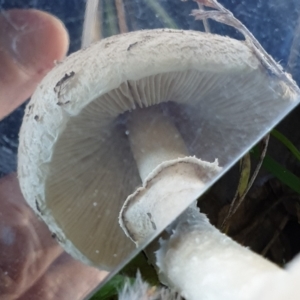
(192, 256)
(138, 109)
(195, 259)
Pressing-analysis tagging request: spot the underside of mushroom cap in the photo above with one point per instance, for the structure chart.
(75, 165)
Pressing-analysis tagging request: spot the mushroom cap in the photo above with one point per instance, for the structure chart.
(75, 165)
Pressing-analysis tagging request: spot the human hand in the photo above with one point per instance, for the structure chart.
(32, 265)
(30, 42)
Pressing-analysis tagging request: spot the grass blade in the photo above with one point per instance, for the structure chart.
(286, 142)
(162, 14)
(285, 176)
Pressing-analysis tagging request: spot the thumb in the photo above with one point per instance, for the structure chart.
(30, 42)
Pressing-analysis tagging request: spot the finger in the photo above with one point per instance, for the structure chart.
(66, 278)
(26, 246)
(30, 43)
(32, 264)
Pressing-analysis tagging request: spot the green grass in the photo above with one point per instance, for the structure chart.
(286, 142)
(161, 13)
(139, 263)
(280, 172)
(111, 288)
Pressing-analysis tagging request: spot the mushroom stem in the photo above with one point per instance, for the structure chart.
(153, 139)
(202, 263)
(194, 257)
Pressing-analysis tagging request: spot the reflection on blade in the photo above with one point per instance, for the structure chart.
(240, 109)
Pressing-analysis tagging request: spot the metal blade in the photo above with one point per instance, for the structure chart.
(228, 131)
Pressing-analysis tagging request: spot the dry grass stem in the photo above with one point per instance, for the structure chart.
(92, 24)
(121, 16)
(276, 235)
(222, 15)
(238, 199)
